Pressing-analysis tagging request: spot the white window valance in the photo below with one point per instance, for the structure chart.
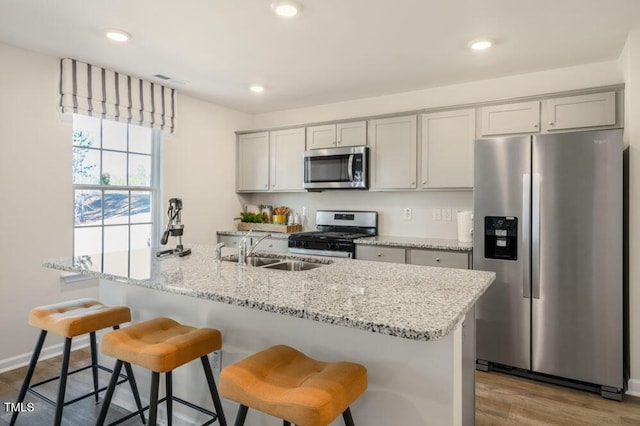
(98, 92)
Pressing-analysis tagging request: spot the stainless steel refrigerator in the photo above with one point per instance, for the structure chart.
(548, 220)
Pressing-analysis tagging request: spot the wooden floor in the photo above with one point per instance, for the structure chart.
(500, 400)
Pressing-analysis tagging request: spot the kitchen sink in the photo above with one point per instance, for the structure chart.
(261, 261)
(293, 265)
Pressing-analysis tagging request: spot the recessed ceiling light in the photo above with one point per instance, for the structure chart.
(480, 44)
(286, 8)
(256, 88)
(117, 35)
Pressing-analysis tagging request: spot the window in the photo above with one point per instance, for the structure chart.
(116, 177)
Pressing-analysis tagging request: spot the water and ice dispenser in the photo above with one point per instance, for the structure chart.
(501, 237)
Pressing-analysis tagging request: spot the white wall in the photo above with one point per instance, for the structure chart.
(630, 66)
(36, 211)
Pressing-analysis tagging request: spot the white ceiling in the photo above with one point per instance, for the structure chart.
(334, 50)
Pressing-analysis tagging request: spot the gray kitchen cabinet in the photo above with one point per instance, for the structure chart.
(393, 142)
(381, 254)
(575, 112)
(446, 145)
(522, 117)
(285, 157)
(446, 259)
(279, 245)
(337, 135)
(231, 241)
(252, 160)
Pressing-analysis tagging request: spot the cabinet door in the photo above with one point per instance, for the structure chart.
(321, 136)
(393, 143)
(575, 112)
(522, 117)
(273, 244)
(380, 254)
(444, 259)
(253, 162)
(351, 134)
(287, 149)
(447, 149)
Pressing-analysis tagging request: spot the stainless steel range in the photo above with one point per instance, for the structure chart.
(337, 231)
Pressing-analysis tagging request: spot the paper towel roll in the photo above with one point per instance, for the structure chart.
(465, 226)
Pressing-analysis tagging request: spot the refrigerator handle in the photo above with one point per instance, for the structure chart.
(535, 236)
(526, 212)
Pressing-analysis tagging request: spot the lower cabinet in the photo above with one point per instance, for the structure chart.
(445, 259)
(425, 257)
(381, 254)
(279, 245)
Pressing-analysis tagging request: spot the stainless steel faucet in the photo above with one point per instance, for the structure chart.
(253, 247)
(243, 253)
(219, 252)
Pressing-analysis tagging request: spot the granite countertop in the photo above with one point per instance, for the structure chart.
(236, 233)
(409, 301)
(411, 242)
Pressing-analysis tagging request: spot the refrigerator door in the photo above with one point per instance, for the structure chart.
(501, 196)
(577, 256)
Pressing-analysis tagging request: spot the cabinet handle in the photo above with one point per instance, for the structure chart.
(424, 183)
(266, 186)
(413, 184)
(379, 254)
(437, 259)
(551, 123)
(535, 126)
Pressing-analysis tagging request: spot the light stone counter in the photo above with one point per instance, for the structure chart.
(414, 242)
(236, 233)
(412, 302)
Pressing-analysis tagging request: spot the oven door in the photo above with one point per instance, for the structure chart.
(336, 168)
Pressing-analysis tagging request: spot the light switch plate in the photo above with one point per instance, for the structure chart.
(407, 213)
(446, 214)
(437, 214)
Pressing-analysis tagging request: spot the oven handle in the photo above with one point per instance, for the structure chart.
(350, 167)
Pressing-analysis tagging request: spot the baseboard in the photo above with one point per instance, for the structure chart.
(633, 387)
(18, 361)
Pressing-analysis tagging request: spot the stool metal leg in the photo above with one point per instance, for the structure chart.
(346, 415)
(153, 399)
(169, 391)
(29, 375)
(242, 415)
(63, 380)
(134, 390)
(107, 397)
(214, 391)
(94, 362)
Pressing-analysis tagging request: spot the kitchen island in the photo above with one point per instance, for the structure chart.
(405, 323)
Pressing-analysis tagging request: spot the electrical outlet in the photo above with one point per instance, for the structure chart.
(215, 359)
(437, 214)
(407, 214)
(305, 212)
(446, 214)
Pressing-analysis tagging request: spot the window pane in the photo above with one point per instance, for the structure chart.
(140, 236)
(140, 139)
(140, 206)
(87, 208)
(116, 207)
(139, 170)
(88, 241)
(114, 135)
(114, 168)
(86, 166)
(116, 238)
(86, 131)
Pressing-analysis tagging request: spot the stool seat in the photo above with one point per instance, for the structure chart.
(287, 384)
(77, 317)
(160, 344)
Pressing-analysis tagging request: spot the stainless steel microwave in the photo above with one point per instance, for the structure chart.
(336, 168)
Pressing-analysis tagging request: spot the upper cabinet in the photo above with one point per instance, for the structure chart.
(573, 112)
(253, 162)
(270, 161)
(337, 135)
(393, 143)
(287, 149)
(595, 110)
(446, 143)
(523, 117)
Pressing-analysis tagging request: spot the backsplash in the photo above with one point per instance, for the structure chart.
(389, 205)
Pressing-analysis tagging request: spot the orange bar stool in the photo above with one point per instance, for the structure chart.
(162, 345)
(289, 385)
(70, 319)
